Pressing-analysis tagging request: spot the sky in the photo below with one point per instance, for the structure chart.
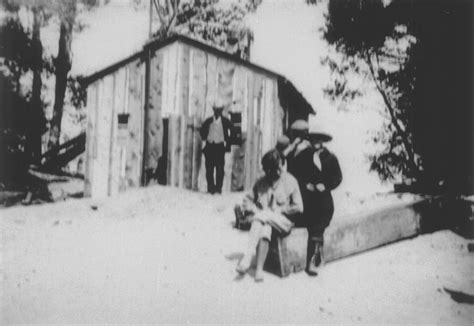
(287, 40)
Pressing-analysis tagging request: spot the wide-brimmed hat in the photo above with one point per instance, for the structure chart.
(300, 125)
(282, 142)
(218, 105)
(316, 137)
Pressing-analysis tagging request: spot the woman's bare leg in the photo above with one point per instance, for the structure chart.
(254, 237)
(262, 252)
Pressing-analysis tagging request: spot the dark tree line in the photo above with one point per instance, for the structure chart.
(22, 120)
(418, 55)
(23, 66)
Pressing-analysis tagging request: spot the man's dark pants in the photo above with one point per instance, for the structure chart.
(215, 154)
(322, 213)
(316, 218)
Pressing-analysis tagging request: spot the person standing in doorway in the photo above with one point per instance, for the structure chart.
(215, 131)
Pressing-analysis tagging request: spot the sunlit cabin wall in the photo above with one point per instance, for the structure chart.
(193, 80)
(113, 154)
(167, 93)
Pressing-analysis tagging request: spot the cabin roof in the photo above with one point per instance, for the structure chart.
(156, 44)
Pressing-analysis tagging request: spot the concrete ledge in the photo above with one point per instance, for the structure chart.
(371, 230)
(356, 234)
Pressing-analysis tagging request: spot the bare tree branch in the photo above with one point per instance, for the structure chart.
(391, 111)
(161, 15)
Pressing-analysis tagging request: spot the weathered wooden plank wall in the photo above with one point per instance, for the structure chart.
(117, 145)
(198, 81)
(211, 85)
(184, 83)
(197, 104)
(90, 137)
(101, 154)
(197, 153)
(188, 152)
(170, 80)
(174, 123)
(136, 104)
(239, 104)
(248, 162)
(154, 123)
(225, 89)
(123, 141)
(183, 110)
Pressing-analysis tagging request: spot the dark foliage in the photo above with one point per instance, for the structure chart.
(14, 125)
(419, 56)
(222, 27)
(21, 121)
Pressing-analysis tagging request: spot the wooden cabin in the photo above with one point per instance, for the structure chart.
(144, 115)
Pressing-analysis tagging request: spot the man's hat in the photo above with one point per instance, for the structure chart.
(319, 133)
(316, 137)
(218, 105)
(300, 125)
(282, 142)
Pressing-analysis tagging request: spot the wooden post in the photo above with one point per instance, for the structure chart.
(146, 125)
(174, 149)
(135, 125)
(118, 140)
(249, 141)
(188, 152)
(112, 137)
(196, 153)
(90, 136)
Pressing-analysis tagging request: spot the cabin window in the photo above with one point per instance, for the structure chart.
(123, 120)
(122, 126)
(236, 129)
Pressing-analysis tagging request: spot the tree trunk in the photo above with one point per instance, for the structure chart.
(63, 66)
(36, 118)
(394, 120)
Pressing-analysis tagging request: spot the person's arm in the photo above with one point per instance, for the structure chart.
(295, 205)
(250, 201)
(333, 176)
(291, 147)
(204, 131)
(227, 125)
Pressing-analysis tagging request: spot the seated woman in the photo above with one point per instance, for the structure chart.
(274, 200)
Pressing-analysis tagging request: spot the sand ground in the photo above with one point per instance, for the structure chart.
(163, 255)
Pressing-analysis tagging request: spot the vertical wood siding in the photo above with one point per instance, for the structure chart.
(184, 83)
(154, 124)
(101, 166)
(90, 138)
(116, 148)
(136, 104)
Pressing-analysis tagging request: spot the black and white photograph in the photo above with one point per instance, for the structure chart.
(236, 162)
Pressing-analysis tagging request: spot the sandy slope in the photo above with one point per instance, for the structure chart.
(166, 255)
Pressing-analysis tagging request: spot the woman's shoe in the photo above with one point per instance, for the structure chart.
(241, 269)
(258, 277)
(243, 266)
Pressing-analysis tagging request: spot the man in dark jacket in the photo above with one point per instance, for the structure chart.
(318, 173)
(216, 132)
